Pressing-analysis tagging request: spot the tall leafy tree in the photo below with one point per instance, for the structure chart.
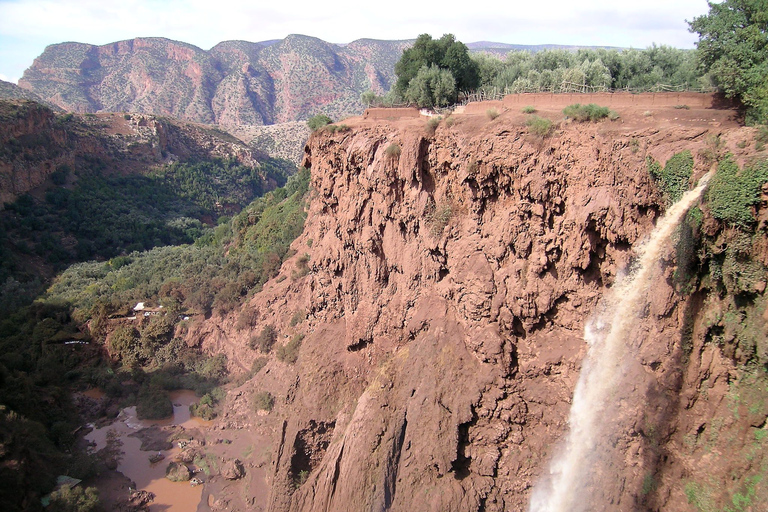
(446, 54)
(733, 47)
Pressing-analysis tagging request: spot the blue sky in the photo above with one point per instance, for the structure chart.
(28, 26)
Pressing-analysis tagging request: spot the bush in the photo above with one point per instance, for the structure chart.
(289, 353)
(539, 126)
(438, 217)
(393, 151)
(492, 113)
(529, 109)
(582, 113)
(263, 401)
(733, 192)
(674, 177)
(153, 404)
(265, 340)
(433, 123)
(318, 121)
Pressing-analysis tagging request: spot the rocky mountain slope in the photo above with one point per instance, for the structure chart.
(233, 83)
(36, 142)
(436, 309)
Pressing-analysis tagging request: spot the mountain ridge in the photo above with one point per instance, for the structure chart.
(234, 83)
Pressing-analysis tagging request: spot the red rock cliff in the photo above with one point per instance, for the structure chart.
(450, 278)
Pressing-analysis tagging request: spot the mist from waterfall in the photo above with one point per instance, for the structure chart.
(562, 489)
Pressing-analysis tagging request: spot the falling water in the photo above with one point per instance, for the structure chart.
(606, 335)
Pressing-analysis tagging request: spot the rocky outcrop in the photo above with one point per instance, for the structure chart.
(451, 275)
(234, 83)
(35, 142)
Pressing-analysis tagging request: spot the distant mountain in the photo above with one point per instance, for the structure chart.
(11, 91)
(233, 83)
(504, 48)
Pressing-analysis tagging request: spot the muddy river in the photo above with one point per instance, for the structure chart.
(135, 464)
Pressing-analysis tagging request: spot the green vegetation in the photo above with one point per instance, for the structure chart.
(74, 499)
(106, 216)
(582, 113)
(38, 371)
(438, 216)
(263, 401)
(529, 109)
(492, 113)
(589, 70)
(289, 353)
(433, 71)
(673, 178)
(733, 47)
(393, 151)
(433, 123)
(318, 121)
(539, 126)
(265, 340)
(733, 192)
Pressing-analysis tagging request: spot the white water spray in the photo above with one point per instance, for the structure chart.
(606, 335)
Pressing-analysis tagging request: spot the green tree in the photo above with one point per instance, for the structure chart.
(733, 47)
(431, 87)
(446, 54)
(318, 121)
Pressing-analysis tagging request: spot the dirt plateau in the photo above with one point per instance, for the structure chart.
(450, 276)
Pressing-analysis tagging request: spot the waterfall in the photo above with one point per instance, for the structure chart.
(561, 490)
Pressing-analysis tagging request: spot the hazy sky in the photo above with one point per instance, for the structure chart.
(28, 26)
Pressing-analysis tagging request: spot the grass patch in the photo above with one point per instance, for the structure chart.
(438, 217)
(393, 151)
(539, 126)
(492, 113)
(529, 109)
(591, 112)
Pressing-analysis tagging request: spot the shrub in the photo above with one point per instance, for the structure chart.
(674, 177)
(263, 401)
(318, 121)
(265, 340)
(682, 107)
(393, 151)
(539, 126)
(298, 317)
(74, 499)
(733, 192)
(333, 128)
(582, 113)
(433, 123)
(153, 404)
(529, 109)
(438, 217)
(492, 113)
(289, 353)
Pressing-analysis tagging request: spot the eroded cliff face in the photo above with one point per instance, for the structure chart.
(449, 279)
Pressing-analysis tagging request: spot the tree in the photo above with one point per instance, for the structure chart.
(446, 54)
(431, 87)
(733, 47)
(318, 121)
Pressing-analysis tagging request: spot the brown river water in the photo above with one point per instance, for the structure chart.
(134, 464)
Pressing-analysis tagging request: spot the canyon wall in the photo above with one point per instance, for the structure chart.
(439, 295)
